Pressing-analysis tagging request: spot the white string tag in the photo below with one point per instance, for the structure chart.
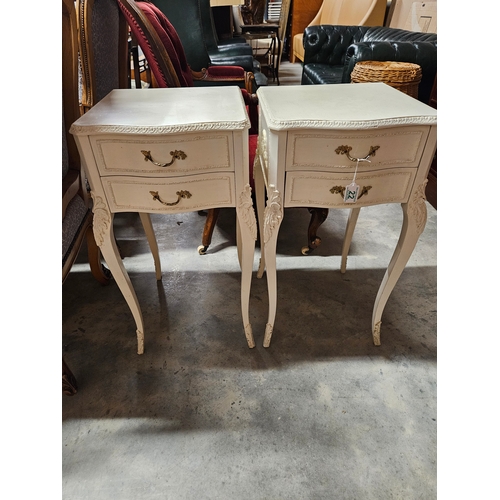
(352, 189)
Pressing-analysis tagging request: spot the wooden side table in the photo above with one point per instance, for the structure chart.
(316, 141)
(168, 151)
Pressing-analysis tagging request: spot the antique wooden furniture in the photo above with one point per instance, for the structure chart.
(342, 146)
(168, 151)
(343, 12)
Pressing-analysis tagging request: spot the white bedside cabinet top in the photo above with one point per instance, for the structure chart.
(341, 106)
(165, 111)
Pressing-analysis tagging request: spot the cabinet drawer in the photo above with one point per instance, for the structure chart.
(313, 189)
(129, 194)
(116, 155)
(315, 150)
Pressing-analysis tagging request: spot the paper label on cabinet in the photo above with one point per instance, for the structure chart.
(351, 193)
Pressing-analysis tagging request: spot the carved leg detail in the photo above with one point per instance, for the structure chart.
(273, 217)
(208, 230)
(318, 216)
(246, 235)
(104, 236)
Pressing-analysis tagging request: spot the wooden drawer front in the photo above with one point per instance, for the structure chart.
(129, 194)
(308, 189)
(399, 147)
(204, 153)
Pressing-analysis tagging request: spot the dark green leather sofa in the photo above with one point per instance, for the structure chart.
(331, 52)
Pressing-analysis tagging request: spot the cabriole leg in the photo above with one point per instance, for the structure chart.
(349, 231)
(153, 245)
(414, 220)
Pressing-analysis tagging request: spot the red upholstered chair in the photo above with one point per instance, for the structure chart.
(163, 50)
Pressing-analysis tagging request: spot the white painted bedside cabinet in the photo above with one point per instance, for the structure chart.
(168, 151)
(342, 146)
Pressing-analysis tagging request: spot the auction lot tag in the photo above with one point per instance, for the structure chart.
(351, 193)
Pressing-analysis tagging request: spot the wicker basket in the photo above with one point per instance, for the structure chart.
(400, 75)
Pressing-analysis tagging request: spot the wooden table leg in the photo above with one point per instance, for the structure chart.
(246, 236)
(349, 231)
(318, 216)
(104, 236)
(153, 245)
(414, 220)
(273, 216)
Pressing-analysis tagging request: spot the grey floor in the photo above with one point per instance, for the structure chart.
(320, 414)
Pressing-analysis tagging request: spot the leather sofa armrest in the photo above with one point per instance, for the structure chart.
(327, 44)
(422, 53)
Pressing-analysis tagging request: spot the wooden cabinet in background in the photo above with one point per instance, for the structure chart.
(302, 13)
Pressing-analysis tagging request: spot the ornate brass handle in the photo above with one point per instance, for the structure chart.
(176, 155)
(341, 190)
(180, 194)
(344, 150)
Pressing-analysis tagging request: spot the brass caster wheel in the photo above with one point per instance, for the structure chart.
(306, 250)
(202, 249)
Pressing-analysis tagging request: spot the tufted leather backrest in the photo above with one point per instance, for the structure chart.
(328, 44)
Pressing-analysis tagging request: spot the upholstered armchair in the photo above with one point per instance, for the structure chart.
(331, 52)
(194, 25)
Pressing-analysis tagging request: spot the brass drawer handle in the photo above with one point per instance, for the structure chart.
(176, 155)
(180, 195)
(341, 190)
(344, 150)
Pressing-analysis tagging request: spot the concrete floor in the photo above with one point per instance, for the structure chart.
(321, 414)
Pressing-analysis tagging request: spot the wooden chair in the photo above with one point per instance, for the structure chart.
(164, 51)
(343, 12)
(76, 203)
